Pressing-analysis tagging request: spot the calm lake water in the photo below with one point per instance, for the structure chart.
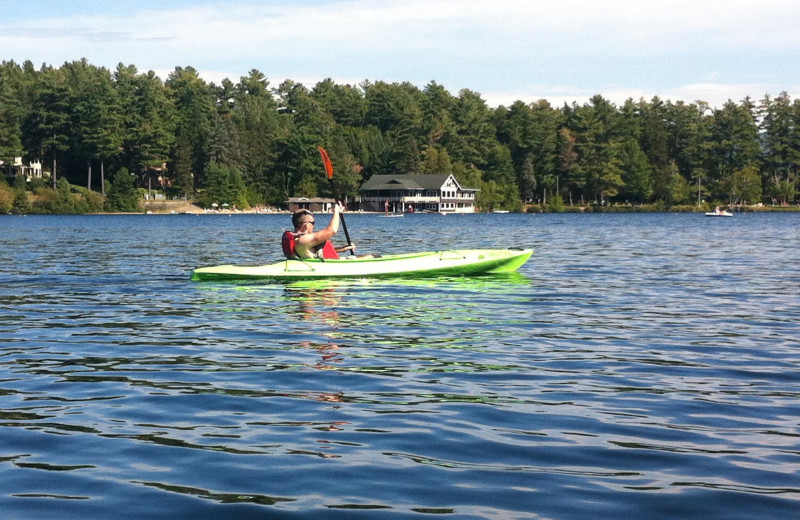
(639, 366)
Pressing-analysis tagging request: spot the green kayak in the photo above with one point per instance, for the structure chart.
(457, 262)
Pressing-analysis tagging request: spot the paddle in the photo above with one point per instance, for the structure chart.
(326, 161)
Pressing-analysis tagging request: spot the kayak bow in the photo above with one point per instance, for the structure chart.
(457, 262)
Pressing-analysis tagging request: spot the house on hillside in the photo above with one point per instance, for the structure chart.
(402, 193)
(32, 170)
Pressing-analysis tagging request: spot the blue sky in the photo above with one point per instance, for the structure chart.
(506, 50)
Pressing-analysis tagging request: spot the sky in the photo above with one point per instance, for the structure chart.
(505, 50)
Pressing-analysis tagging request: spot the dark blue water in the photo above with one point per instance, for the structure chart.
(639, 366)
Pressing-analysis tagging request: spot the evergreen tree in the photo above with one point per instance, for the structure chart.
(258, 131)
(436, 161)
(678, 189)
(528, 180)
(567, 157)
(690, 139)
(476, 135)
(396, 110)
(94, 115)
(223, 185)
(80, 115)
(181, 165)
(45, 131)
(438, 107)
(655, 144)
(148, 122)
(735, 145)
(781, 150)
(531, 133)
(122, 195)
(637, 173)
(308, 126)
(195, 109)
(597, 130)
(345, 103)
(10, 113)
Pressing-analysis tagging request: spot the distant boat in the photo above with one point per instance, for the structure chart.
(500, 211)
(391, 215)
(719, 214)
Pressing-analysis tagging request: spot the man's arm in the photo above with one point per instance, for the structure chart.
(319, 237)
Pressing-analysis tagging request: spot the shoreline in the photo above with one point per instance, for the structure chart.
(574, 211)
(188, 208)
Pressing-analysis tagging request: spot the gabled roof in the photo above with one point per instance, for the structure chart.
(311, 199)
(406, 182)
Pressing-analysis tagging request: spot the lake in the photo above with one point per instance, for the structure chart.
(638, 366)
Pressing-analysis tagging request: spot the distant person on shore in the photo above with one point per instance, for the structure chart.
(304, 242)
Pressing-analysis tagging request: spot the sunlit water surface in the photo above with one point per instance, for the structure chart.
(639, 366)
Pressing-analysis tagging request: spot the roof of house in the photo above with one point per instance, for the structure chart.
(310, 199)
(406, 182)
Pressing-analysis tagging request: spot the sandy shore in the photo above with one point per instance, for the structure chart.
(179, 206)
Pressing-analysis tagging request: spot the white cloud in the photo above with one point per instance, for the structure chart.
(695, 48)
(715, 94)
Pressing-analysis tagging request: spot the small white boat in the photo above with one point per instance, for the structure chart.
(392, 215)
(719, 214)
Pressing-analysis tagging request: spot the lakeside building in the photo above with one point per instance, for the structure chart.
(402, 193)
(314, 204)
(32, 170)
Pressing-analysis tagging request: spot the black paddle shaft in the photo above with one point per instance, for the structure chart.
(344, 224)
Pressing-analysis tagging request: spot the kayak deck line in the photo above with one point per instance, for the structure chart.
(455, 262)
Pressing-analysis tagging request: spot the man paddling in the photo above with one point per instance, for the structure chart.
(304, 242)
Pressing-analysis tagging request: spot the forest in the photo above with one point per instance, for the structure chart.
(107, 134)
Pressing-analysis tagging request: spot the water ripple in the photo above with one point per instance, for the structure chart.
(638, 366)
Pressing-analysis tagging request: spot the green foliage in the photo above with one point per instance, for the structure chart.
(262, 140)
(10, 113)
(7, 196)
(64, 202)
(223, 185)
(490, 197)
(735, 146)
(436, 161)
(744, 186)
(122, 195)
(637, 173)
(20, 183)
(783, 190)
(148, 126)
(679, 190)
(194, 103)
(21, 204)
(556, 204)
(64, 199)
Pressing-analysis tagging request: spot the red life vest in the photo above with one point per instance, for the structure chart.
(288, 244)
(329, 252)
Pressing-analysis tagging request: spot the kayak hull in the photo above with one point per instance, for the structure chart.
(457, 262)
(722, 214)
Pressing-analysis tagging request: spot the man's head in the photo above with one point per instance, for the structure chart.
(302, 218)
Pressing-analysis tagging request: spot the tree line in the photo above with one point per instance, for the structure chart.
(106, 133)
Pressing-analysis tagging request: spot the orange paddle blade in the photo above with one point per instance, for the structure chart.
(326, 161)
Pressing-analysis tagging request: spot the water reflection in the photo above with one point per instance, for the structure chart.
(315, 308)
